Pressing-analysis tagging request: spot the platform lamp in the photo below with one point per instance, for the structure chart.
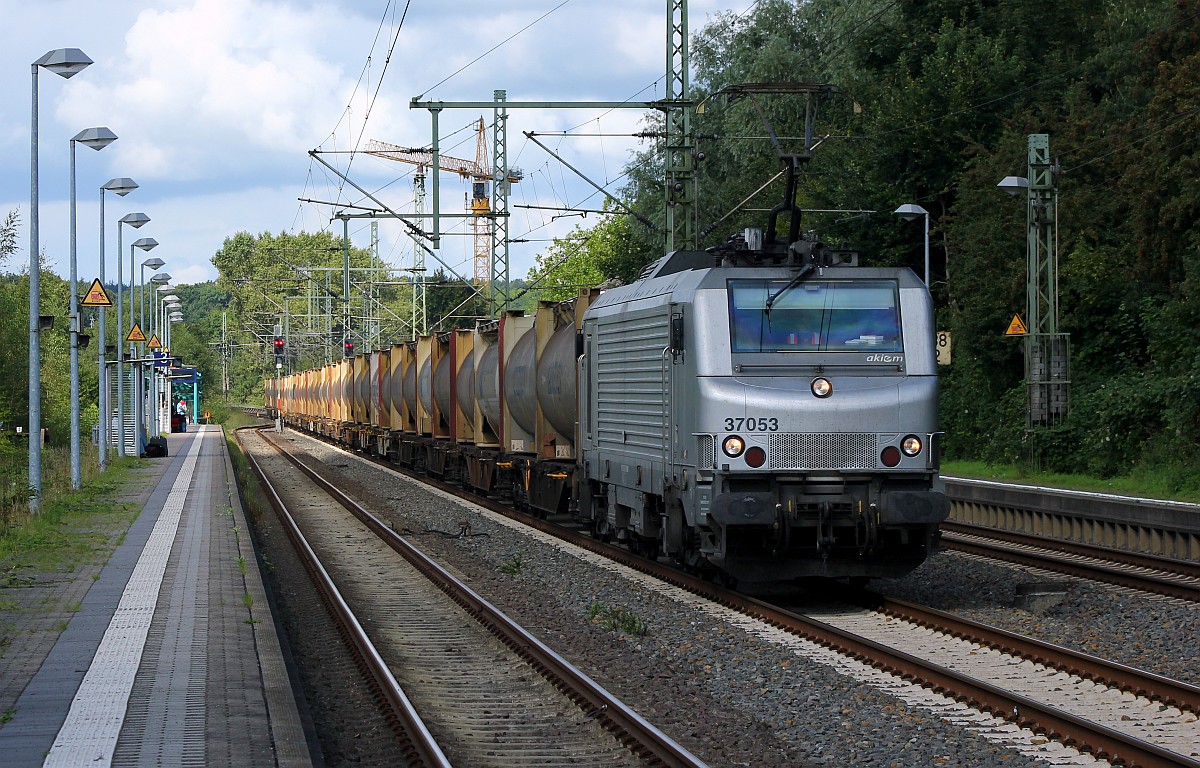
(159, 281)
(145, 244)
(167, 297)
(122, 186)
(64, 62)
(175, 317)
(154, 263)
(908, 212)
(97, 139)
(135, 220)
(161, 327)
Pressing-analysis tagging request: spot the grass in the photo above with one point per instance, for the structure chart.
(73, 528)
(515, 564)
(1145, 484)
(617, 619)
(253, 501)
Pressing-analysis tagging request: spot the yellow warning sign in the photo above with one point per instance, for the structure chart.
(96, 296)
(135, 334)
(1016, 327)
(154, 343)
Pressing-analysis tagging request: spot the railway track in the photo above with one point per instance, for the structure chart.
(1178, 579)
(1096, 706)
(464, 684)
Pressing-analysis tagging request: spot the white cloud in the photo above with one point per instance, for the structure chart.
(216, 87)
(217, 101)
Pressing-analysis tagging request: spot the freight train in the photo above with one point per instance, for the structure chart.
(759, 412)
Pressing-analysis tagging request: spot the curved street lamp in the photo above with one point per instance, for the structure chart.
(64, 62)
(908, 212)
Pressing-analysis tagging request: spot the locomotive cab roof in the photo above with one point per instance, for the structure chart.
(747, 249)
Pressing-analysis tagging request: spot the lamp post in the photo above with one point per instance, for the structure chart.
(154, 264)
(122, 186)
(908, 212)
(166, 296)
(135, 220)
(159, 281)
(146, 244)
(175, 316)
(97, 139)
(65, 62)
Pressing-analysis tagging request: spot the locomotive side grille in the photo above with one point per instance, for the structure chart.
(706, 455)
(821, 450)
(630, 383)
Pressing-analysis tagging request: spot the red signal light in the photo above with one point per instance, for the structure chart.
(278, 346)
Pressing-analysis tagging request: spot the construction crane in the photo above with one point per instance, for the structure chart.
(480, 174)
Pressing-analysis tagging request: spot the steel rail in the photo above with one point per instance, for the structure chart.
(1176, 693)
(1102, 742)
(423, 749)
(1052, 560)
(638, 734)
(1171, 565)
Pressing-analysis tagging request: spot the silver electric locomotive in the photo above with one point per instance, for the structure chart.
(766, 413)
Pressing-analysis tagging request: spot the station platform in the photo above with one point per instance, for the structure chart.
(170, 655)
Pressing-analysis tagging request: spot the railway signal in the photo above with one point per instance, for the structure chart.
(278, 344)
(348, 349)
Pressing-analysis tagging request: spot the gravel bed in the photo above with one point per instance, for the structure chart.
(1144, 631)
(342, 717)
(729, 696)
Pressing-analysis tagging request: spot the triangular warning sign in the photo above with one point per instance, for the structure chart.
(96, 296)
(1016, 327)
(154, 343)
(135, 334)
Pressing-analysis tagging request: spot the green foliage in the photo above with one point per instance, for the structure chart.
(587, 258)
(514, 565)
(452, 303)
(8, 236)
(617, 619)
(72, 529)
(939, 98)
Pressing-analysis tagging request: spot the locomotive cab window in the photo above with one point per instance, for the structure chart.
(814, 316)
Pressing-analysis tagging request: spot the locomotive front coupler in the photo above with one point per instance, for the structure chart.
(825, 537)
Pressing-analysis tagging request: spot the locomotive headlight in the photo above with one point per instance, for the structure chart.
(733, 446)
(822, 387)
(911, 445)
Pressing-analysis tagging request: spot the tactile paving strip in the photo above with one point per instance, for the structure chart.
(165, 720)
(89, 735)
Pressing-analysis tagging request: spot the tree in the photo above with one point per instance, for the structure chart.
(451, 303)
(586, 258)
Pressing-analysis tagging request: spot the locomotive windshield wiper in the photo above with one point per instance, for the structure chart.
(794, 282)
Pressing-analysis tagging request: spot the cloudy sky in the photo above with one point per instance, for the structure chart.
(216, 104)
